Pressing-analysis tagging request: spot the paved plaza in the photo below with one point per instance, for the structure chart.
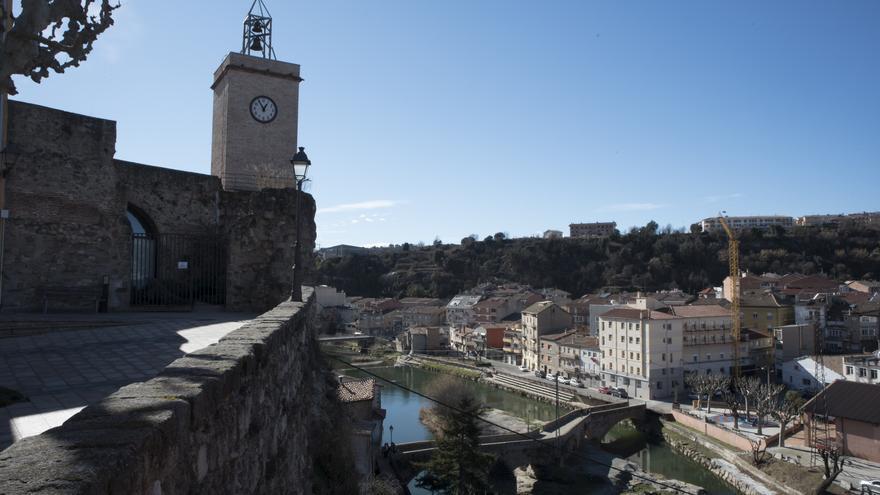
(66, 368)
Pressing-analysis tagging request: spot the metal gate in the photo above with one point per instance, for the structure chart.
(177, 270)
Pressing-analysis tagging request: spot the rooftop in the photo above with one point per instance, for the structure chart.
(636, 314)
(356, 390)
(700, 311)
(850, 400)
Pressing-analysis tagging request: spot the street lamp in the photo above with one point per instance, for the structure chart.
(391, 430)
(301, 164)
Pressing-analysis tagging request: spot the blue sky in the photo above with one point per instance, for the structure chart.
(455, 117)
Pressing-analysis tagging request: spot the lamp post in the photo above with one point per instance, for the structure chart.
(301, 164)
(391, 431)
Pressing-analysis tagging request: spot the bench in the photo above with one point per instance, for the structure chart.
(90, 294)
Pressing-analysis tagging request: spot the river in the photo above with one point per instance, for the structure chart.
(403, 409)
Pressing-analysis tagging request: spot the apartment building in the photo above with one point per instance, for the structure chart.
(551, 354)
(541, 318)
(862, 369)
(707, 342)
(460, 310)
(641, 352)
(712, 224)
(591, 230)
(513, 346)
(765, 312)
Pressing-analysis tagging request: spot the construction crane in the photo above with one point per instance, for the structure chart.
(733, 297)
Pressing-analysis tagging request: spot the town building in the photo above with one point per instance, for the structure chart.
(551, 357)
(541, 318)
(852, 409)
(512, 345)
(801, 374)
(329, 297)
(592, 230)
(362, 402)
(792, 341)
(642, 352)
(865, 219)
(423, 316)
(863, 368)
(552, 234)
(460, 310)
(765, 312)
(866, 286)
(712, 224)
(707, 342)
(423, 340)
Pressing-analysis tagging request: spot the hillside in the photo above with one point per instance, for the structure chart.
(641, 259)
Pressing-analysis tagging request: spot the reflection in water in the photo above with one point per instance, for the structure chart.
(659, 458)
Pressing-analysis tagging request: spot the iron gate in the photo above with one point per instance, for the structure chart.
(177, 270)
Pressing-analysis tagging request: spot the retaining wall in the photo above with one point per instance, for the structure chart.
(235, 417)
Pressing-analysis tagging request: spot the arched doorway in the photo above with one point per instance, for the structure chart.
(174, 270)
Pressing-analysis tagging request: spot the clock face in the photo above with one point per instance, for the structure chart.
(263, 109)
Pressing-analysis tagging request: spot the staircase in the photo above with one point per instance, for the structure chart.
(544, 389)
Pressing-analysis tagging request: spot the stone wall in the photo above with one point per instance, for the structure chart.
(65, 220)
(261, 228)
(68, 197)
(239, 416)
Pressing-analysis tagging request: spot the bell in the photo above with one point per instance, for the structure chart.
(256, 46)
(257, 27)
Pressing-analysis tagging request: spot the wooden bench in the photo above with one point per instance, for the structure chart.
(92, 294)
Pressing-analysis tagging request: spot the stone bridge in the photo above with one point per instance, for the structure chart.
(516, 449)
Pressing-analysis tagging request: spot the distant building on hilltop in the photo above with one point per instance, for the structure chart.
(712, 224)
(595, 229)
(865, 219)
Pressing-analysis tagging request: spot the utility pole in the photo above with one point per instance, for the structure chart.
(556, 381)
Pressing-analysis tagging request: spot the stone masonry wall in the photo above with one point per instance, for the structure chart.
(235, 417)
(65, 220)
(68, 198)
(261, 228)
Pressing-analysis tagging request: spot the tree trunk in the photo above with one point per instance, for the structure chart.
(782, 433)
(760, 425)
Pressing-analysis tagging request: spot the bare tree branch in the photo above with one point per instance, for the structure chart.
(50, 35)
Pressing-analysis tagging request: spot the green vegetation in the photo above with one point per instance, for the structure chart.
(451, 370)
(457, 466)
(9, 396)
(645, 258)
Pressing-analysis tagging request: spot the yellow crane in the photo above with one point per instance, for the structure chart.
(733, 260)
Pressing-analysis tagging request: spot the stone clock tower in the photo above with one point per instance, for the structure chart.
(256, 107)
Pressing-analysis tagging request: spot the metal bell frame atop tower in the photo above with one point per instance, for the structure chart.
(257, 32)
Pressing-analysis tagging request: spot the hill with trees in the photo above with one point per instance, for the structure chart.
(643, 259)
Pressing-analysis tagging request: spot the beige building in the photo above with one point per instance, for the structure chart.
(712, 224)
(641, 352)
(595, 229)
(541, 318)
(707, 341)
(512, 346)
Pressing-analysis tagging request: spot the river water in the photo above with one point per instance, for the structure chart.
(403, 415)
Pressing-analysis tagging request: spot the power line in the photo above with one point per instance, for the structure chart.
(502, 427)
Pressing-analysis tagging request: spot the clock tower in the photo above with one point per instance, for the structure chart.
(256, 108)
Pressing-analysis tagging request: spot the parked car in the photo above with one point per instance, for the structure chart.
(551, 377)
(523, 368)
(869, 487)
(619, 392)
(574, 382)
(539, 373)
(604, 390)
(561, 379)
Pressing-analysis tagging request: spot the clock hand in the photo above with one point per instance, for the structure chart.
(263, 106)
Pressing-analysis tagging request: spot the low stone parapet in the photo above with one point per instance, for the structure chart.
(235, 417)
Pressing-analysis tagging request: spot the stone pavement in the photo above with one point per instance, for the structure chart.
(63, 370)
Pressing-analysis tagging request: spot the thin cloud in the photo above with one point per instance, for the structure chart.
(632, 207)
(363, 205)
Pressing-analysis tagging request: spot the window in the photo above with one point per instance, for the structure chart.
(849, 370)
(622, 338)
(631, 355)
(663, 356)
(863, 372)
(873, 374)
(637, 340)
(663, 371)
(754, 316)
(626, 381)
(630, 340)
(659, 385)
(722, 355)
(805, 381)
(638, 384)
(696, 358)
(708, 357)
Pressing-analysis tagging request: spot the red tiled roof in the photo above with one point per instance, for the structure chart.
(356, 390)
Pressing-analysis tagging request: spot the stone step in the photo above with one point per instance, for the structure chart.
(547, 391)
